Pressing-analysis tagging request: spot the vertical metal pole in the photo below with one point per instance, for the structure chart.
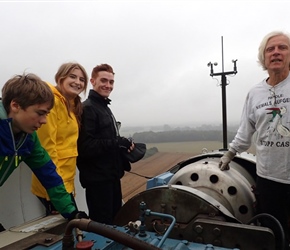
(222, 40)
(224, 107)
(224, 96)
(224, 102)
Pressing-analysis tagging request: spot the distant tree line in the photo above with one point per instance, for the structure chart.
(181, 136)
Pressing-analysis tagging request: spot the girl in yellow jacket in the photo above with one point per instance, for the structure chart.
(59, 135)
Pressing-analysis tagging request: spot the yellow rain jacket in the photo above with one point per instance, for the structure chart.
(59, 137)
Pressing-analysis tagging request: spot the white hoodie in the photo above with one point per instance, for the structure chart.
(267, 112)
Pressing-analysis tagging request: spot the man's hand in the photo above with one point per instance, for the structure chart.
(225, 160)
(124, 142)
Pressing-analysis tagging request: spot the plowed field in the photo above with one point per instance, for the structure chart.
(133, 184)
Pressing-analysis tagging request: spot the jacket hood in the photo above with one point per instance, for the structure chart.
(56, 92)
(3, 113)
(8, 146)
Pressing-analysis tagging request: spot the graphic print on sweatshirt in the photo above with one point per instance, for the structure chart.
(275, 122)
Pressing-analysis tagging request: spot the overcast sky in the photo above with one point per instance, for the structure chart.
(159, 51)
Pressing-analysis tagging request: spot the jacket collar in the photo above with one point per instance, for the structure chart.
(97, 97)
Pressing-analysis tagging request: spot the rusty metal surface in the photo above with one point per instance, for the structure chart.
(180, 202)
(199, 218)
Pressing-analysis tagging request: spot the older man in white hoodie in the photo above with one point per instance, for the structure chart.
(267, 112)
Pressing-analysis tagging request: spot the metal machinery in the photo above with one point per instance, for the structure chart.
(192, 206)
(210, 206)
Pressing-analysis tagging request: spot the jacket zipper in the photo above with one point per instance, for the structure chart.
(115, 125)
(16, 147)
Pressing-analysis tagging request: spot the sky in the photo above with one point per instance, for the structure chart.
(159, 51)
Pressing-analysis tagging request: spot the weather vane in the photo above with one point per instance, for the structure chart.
(223, 85)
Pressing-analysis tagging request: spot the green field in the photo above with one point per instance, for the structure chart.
(194, 147)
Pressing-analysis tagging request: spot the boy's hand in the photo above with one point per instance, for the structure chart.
(78, 215)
